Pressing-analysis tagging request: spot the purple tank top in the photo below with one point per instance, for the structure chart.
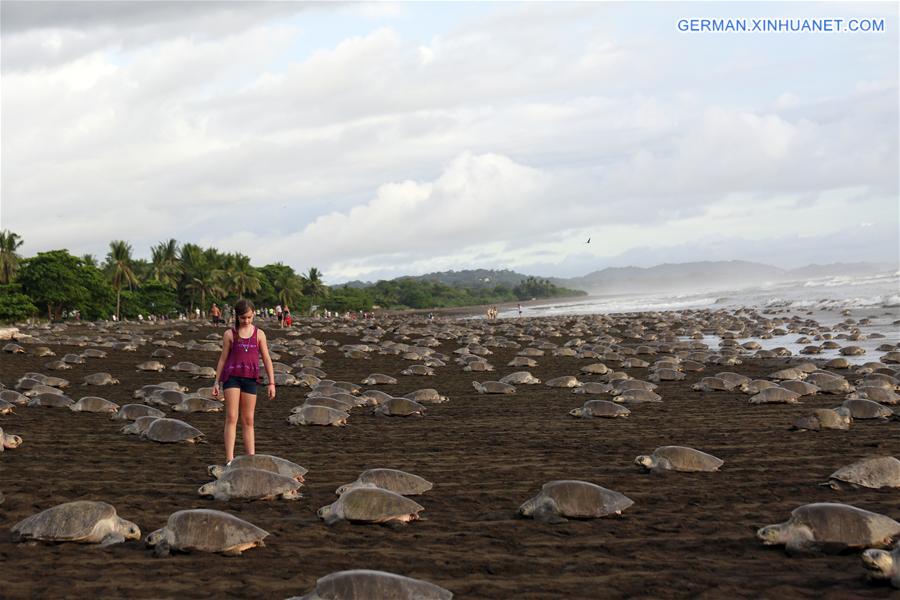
(243, 359)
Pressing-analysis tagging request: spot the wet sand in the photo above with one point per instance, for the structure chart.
(687, 535)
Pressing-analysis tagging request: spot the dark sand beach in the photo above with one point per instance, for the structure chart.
(687, 535)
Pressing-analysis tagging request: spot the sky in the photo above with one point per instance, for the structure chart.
(374, 140)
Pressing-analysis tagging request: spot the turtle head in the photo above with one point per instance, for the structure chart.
(129, 530)
(879, 563)
(771, 535)
(11, 441)
(215, 471)
(155, 537)
(527, 508)
(576, 412)
(645, 461)
(344, 489)
(207, 489)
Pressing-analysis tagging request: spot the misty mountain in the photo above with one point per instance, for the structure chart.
(687, 277)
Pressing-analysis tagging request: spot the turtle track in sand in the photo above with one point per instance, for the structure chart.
(485, 455)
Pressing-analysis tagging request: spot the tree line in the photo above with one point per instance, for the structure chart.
(179, 278)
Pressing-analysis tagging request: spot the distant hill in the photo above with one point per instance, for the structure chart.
(707, 275)
(688, 277)
(469, 278)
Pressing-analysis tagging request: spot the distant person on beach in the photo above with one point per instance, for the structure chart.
(520, 309)
(287, 317)
(216, 314)
(238, 371)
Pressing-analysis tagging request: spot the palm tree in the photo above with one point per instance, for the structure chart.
(206, 282)
(312, 284)
(193, 264)
(166, 268)
(119, 261)
(243, 277)
(289, 287)
(9, 260)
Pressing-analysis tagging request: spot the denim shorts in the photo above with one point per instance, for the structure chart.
(247, 384)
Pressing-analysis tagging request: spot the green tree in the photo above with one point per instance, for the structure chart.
(119, 262)
(14, 305)
(312, 284)
(242, 279)
(54, 280)
(166, 268)
(9, 260)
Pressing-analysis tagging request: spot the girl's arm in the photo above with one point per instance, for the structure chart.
(267, 361)
(226, 348)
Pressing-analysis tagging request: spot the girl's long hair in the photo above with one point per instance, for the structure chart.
(240, 307)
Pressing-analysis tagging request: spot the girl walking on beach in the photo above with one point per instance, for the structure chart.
(238, 371)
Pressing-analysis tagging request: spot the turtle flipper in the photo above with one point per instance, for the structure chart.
(112, 538)
(548, 512)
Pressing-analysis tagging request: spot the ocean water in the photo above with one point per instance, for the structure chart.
(827, 300)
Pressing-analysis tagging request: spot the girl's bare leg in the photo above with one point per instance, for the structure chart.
(232, 402)
(248, 407)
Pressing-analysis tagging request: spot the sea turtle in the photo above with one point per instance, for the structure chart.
(600, 408)
(328, 401)
(100, 379)
(711, 384)
(207, 531)
(417, 370)
(374, 397)
(852, 351)
(205, 372)
(867, 409)
(594, 369)
(399, 482)
(195, 404)
(735, 380)
(150, 365)
(427, 396)
(13, 348)
(93, 353)
(41, 351)
(186, 366)
(139, 425)
(164, 397)
(775, 395)
(824, 418)
(593, 387)
(478, 366)
(883, 564)
(162, 353)
(362, 584)
(875, 473)
(43, 389)
(81, 521)
(679, 458)
(757, 385)
(829, 384)
(379, 379)
(73, 359)
(665, 375)
(318, 415)
(520, 378)
(311, 370)
(94, 404)
(266, 462)
(522, 361)
(349, 387)
(49, 400)
(493, 387)
(7, 408)
(875, 394)
(565, 381)
(830, 527)
(130, 412)
(14, 397)
(838, 363)
(804, 388)
(247, 483)
(637, 397)
(58, 365)
(370, 505)
(573, 499)
(789, 373)
(170, 431)
(399, 407)
(9, 441)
